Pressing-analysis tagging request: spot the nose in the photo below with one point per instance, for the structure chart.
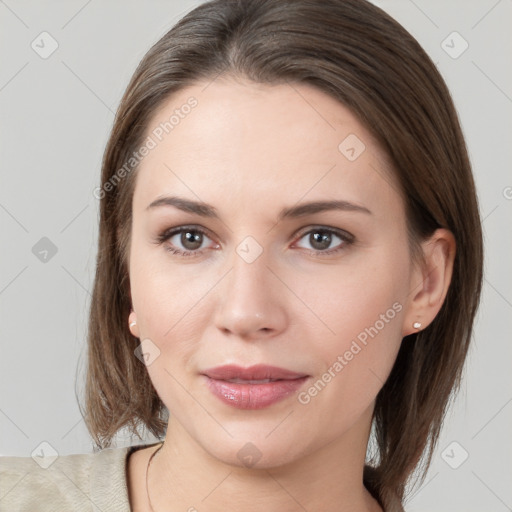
(251, 302)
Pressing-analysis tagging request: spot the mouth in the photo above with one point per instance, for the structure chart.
(255, 387)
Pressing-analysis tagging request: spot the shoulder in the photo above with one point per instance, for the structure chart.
(81, 482)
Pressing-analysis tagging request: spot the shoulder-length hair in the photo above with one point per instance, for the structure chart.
(357, 54)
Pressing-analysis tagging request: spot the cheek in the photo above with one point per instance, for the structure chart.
(164, 294)
(173, 309)
(363, 308)
(170, 314)
(353, 297)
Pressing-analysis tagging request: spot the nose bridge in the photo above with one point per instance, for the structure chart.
(247, 274)
(249, 305)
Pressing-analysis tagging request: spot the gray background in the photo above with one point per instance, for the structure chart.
(56, 115)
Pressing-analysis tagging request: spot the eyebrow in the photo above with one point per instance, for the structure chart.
(206, 210)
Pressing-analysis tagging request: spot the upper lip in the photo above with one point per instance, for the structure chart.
(256, 372)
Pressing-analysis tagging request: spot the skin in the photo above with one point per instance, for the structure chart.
(250, 150)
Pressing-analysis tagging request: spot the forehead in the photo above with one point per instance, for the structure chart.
(242, 139)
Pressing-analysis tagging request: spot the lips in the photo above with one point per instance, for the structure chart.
(258, 372)
(255, 387)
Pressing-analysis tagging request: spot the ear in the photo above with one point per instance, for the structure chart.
(132, 321)
(430, 280)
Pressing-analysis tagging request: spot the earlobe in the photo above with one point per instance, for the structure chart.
(434, 277)
(132, 320)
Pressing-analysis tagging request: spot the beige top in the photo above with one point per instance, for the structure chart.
(89, 482)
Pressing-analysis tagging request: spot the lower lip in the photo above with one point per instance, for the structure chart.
(253, 396)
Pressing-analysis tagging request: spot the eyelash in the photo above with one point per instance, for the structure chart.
(346, 238)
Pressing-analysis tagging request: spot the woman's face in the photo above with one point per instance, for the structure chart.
(292, 255)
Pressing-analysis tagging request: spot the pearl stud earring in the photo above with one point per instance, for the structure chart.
(416, 325)
(133, 323)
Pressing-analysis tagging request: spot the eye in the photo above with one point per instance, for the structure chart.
(189, 241)
(325, 240)
(186, 240)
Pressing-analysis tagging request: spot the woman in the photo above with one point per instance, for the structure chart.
(290, 259)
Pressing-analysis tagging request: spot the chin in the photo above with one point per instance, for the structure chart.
(256, 450)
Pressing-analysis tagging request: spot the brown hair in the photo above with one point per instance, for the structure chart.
(357, 54)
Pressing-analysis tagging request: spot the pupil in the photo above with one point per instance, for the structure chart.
(320, 240)
(191, 240)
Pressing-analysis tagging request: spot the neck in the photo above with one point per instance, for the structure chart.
(184, 476)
